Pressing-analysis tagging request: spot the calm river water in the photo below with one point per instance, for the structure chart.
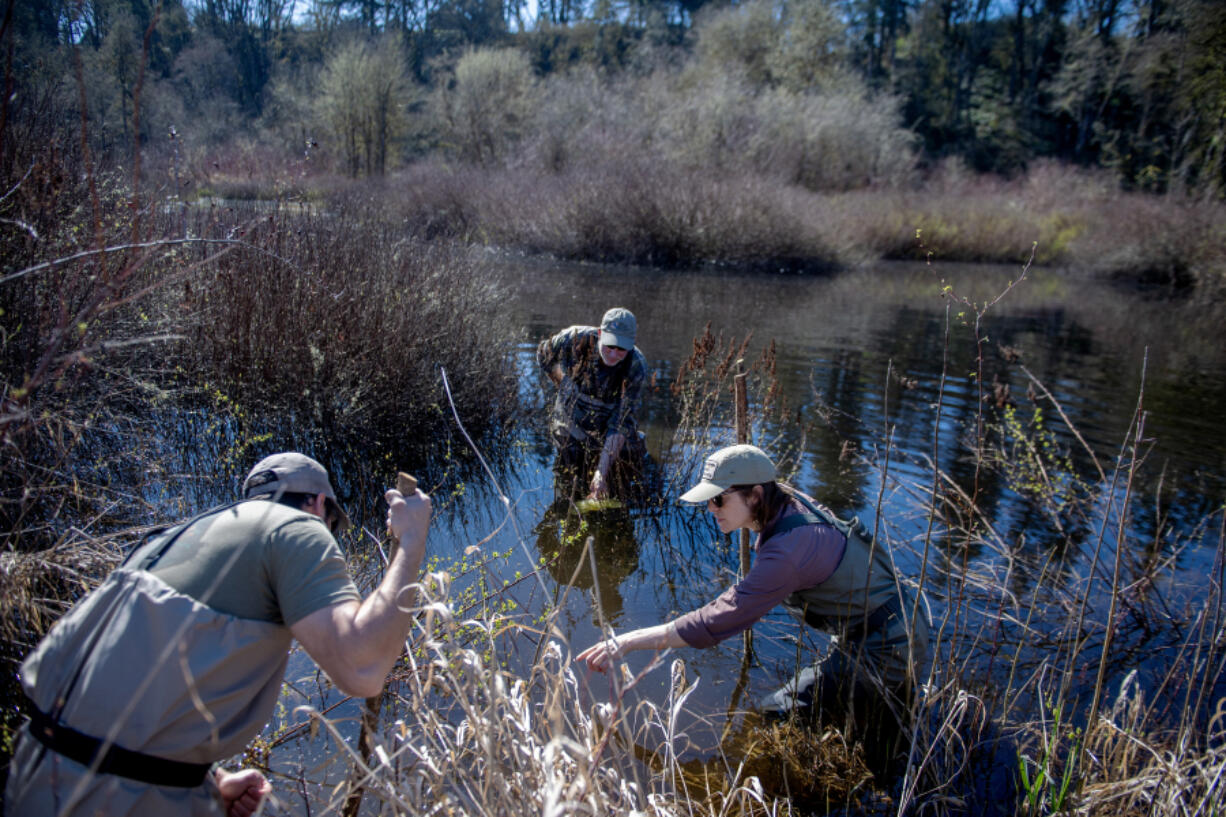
(861, 357)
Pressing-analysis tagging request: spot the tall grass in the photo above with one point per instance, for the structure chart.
(622, 211)
(489, 716)
(492, 718)
(336, 319)
(1067, 216)
(638, 213)
(660, 212)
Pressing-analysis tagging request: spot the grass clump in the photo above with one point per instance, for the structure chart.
(633, 212)
(482, 726)
(668, 211)
(814, 770)
(489, 716)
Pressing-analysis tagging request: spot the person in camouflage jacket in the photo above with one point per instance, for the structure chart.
(600, 375)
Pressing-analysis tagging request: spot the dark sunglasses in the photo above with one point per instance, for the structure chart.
(617, 348)
(718, 499)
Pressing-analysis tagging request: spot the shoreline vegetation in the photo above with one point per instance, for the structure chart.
(758, 135)
(633, 212)
(150, 349)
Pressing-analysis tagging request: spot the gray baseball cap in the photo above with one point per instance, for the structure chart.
(618, 328)
(734, 465)
(296, 473)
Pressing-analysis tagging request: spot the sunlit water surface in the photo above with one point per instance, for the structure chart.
(862, 358)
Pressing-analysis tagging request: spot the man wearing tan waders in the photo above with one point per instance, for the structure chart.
(176, 660)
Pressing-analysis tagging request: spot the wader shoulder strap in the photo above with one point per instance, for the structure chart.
(584, 348)
(845, 527)
(172, 535)
(796, 520)
(811, 515)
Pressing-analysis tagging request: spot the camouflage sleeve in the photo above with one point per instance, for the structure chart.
(556, 351)
(624, 419)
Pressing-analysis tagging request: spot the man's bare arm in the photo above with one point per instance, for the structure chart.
(356, 643)
(599, 487)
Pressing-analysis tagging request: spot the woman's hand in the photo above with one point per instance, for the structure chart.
(600, 655)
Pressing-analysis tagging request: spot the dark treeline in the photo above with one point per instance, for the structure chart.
(1134, 86)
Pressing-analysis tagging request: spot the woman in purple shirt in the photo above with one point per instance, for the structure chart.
(827, 573)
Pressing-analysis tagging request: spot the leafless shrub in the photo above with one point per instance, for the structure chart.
(337, 317)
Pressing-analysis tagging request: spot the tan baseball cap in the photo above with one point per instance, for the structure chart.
(734, 465)
(296, 473)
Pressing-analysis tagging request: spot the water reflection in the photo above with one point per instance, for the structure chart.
(561, 542)
(894, 406)
(880, 353)
(881, 387)
(634, 478)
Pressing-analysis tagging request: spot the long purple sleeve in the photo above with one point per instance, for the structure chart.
(802, 557)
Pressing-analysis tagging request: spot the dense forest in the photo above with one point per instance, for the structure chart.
(360, 87)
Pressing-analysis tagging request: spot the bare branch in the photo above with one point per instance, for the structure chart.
(55, 262)
(19, 223)
(20, 182)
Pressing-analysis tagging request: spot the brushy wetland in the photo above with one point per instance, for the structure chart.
(1077, 596)
(153, 349)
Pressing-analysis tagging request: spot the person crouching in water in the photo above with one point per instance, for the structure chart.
(828, 574)
(600, 375)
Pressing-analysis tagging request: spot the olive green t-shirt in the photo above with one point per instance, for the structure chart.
(257, 559)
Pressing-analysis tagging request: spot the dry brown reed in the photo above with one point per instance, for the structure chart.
(340, 318)
(478, 731)
(1033, 644)
(1131, 771)
(630, 209)
(37, 589)
(1027, 644)
(1064, 216)
(125, 321)
(702, 391)
(476, 737)
(637, 212)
